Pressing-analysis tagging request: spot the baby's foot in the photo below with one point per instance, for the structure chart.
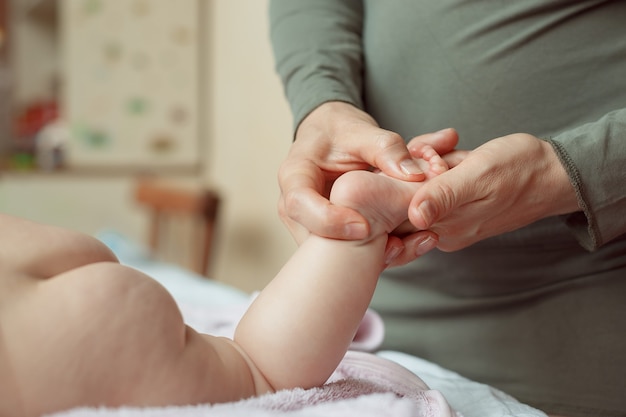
(428, 159)
(383, 200)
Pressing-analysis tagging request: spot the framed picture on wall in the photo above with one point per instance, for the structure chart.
(130, 82)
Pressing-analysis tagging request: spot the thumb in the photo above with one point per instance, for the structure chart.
(442, 141)
(388, 152)
(440, 196)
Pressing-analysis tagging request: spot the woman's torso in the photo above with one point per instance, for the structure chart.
(530, 311)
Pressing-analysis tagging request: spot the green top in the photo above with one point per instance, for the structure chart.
(539, 312)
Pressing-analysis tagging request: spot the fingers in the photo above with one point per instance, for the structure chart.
(434, 164)
(443, 194)
(387, 151)
(454, 158)
(401, 251)
(430, 205)
(353, 140)
(336, 138)
(317, 215)
(303, 207)
(442, 141)
(396, 159)
(381, 149)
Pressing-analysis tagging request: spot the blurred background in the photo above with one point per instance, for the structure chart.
(95, 94)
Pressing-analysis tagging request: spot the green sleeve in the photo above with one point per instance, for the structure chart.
(317, 50)
(594, 156)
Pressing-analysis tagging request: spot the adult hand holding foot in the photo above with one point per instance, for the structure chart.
(503, 185)
(336, 138)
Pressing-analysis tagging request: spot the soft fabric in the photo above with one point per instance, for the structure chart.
(365, 401)
(470, 398)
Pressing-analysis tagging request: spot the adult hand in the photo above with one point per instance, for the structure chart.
(336, 138)
(505, 184)
(406, 244)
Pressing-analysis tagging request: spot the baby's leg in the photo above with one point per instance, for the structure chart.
(298, 329)
(107, 335)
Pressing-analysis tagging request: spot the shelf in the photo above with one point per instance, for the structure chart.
(96, 172)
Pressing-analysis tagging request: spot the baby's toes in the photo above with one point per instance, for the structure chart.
(435, 163)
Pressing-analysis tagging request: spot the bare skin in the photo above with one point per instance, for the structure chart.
(79, 329)
(336, 138)
(470, 203)
(498, 187)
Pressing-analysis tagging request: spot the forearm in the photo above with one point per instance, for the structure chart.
(317, 50)
(300, 326)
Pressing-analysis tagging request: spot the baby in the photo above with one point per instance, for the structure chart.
(79, 329)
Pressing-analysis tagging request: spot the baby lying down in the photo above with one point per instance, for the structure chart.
(79, 329)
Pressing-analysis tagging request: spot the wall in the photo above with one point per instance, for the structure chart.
(36, 55)
(250, 131)
(245, 132)
(5, 79)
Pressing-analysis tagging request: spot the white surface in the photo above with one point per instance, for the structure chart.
(472, 399)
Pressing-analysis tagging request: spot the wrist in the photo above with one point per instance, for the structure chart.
(334, 116)
(564, 198)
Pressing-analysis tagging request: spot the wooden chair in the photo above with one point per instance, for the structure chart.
(183, 220)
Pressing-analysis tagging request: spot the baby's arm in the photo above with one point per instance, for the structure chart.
(299, 328)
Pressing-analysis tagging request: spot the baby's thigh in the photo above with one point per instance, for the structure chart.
(106, 335)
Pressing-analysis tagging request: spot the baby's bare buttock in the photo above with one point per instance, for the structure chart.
(98, 334)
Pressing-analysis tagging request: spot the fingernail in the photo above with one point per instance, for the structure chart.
(355, 231)
(426, 246)
(410, 167)
(392, 254)
(426, 211)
